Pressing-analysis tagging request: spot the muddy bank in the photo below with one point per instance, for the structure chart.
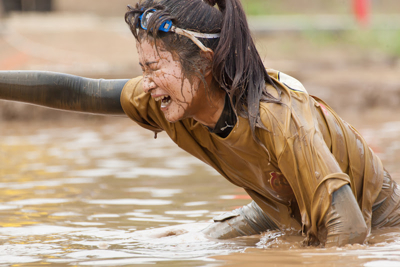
(348, 74)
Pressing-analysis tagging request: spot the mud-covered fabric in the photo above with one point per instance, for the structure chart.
(343, 221)
(386, 209)
(306, 153)
(247, 220)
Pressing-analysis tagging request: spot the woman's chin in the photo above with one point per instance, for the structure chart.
(172, 118)
(173, 113)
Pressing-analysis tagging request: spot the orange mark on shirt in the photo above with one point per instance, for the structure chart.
(324, 109)
(279, 184)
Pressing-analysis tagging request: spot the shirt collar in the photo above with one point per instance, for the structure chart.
(226, 121)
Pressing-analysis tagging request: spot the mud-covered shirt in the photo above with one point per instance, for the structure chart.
(306, 153)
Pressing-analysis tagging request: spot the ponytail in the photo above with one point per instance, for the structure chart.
(238, 67)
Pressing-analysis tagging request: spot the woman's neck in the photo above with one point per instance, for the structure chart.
(213, 107)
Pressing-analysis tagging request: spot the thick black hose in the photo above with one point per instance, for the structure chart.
(63, 91)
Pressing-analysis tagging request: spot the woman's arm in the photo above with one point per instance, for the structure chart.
(63, 91)
(245, 221)
(343, 220)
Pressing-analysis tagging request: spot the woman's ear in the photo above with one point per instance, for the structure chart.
(208, 60)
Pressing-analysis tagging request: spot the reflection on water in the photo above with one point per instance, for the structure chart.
(110, 195)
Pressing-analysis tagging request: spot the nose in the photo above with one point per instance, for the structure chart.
(148, 84)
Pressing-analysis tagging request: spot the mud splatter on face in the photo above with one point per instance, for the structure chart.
(180, 96)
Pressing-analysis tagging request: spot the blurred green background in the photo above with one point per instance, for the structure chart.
(273, 7)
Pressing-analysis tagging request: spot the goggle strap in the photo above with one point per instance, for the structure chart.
(203, 35)
(191, 36)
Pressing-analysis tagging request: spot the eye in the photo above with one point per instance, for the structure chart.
(141, 66)
(154, 67)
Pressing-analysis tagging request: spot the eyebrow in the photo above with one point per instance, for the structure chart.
(148, 63)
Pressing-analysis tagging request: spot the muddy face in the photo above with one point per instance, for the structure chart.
(181, 96)
(164, 80)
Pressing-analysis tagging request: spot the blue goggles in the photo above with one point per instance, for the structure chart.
(145, 18)
(168, 27)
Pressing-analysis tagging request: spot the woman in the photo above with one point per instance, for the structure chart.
(205, 85)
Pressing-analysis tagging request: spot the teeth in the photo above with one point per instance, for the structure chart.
(165, 100)
(164, 104)
(160, 98)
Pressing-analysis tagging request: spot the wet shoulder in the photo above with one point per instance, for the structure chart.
(289, 86)
(131, 89)
(295, 101)
(141, 107)
(287, 81)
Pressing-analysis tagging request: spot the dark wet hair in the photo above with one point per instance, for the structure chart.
(237, 67)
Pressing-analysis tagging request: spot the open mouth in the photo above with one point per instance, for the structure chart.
(165, 100)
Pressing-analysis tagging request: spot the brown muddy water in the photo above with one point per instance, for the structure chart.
(106, 193)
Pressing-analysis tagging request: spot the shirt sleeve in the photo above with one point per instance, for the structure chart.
(141, 107)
